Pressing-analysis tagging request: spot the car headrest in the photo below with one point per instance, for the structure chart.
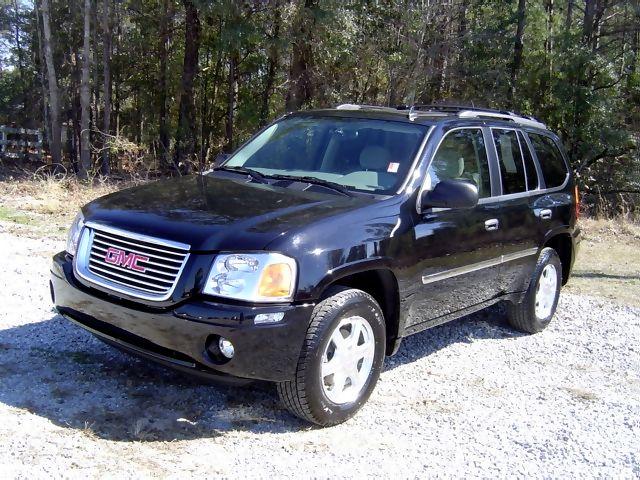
(375, 158)
(452, 162)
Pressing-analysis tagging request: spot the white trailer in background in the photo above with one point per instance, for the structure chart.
(17, 142)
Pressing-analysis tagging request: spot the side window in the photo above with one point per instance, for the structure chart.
(529, 166)
(510, 160)
(462, 155)
(550, 159)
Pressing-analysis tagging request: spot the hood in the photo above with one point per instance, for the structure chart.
(211, 213)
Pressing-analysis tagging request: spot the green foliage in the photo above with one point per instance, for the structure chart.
(584, 85)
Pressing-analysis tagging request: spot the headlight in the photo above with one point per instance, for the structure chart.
(74, 234)
(254, 277)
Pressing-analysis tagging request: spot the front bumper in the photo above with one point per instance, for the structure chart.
(178, 336)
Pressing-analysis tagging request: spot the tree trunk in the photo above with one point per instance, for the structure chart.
(632, 69)
(568, 21)
(208, 119)
(115, 84)
(54, 95)
(95, 90)
(137, 118)
(273, 63)
(204, 108)
(548, 44)
(74, 93)
(300, 82)
(186, 133)
(43, 84)
(587, 25)
(518, 48)
(23, 92)
(444, 54)
(163, 52)
(85, 95)
(601, 7)
(635, 41)
(106, 68)
(232, 95)
(116, 106)
(459, 45)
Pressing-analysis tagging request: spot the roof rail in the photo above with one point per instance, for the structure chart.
(477, 112)
(508, 116)
(462, 111)
(352, 106)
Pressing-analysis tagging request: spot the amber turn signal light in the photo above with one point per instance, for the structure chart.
(275, 281)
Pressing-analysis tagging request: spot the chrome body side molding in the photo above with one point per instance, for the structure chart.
(454, 272)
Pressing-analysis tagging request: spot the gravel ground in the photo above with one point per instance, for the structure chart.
(471, 398)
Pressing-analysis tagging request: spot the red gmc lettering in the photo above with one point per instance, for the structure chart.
(118, 257)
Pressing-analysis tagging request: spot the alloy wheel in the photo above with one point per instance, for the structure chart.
(347, 360)
(546, 291)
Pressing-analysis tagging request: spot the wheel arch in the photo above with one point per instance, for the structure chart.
(382, 284)
(562, 243)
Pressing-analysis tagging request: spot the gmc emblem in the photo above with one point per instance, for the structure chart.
(118, 257)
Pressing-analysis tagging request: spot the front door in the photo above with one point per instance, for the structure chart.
(457, 251)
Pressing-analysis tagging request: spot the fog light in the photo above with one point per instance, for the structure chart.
(226, 347)
(268, 318)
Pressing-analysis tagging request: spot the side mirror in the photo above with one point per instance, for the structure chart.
(451, 194)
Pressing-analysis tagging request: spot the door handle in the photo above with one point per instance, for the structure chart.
(491, 224)
(545, 214)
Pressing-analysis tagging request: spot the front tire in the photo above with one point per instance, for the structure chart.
(340, 361)
(534, 313)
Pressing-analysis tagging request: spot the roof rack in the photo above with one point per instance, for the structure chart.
(508, 116)
(443, 107)
(462, 111)
(352, 106)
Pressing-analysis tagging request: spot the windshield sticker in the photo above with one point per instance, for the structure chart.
(393, 167)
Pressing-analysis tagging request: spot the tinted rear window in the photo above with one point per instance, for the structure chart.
(530, 168)
(550, 159)
(510, 158)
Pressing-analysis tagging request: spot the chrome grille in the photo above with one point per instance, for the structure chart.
(138, 265)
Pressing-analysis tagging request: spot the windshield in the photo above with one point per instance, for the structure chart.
(361, 154)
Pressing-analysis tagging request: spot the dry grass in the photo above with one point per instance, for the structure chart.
(46, 207)
(608, 264)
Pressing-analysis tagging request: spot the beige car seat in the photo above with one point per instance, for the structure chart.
(374, 161)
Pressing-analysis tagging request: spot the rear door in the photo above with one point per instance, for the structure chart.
(457, 252)
(518, 216)
(554, 203)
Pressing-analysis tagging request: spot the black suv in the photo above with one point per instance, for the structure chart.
(309, 254)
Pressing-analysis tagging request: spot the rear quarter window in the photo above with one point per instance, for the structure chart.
(510, 159)
(529, 166)
(552, 165)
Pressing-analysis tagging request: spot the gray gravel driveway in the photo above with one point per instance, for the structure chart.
(470, 398)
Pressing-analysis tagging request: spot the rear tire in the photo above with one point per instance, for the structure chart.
(534, 313)
(346, 328)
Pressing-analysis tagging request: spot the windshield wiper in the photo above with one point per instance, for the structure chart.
(315, 181)
(259, 177)
(255, 175)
